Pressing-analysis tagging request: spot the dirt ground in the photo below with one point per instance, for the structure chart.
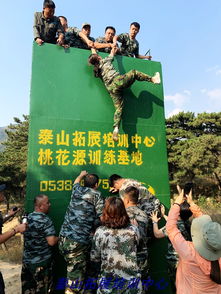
(11, 274)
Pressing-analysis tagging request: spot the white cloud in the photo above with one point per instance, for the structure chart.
(214, 94)
(187, 92)
(213, 68)
(214, 97)
(179, 99)
(174, 112)
(203, 91)
(218, 72)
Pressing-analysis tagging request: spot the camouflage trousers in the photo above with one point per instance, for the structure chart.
(36, 278)
(115, 89)
(109, 284)
(76, 256)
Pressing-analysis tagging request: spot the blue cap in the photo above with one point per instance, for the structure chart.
(2, 187)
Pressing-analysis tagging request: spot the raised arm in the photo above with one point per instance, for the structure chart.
(158, 233)
(193, 207)
(80, 177)
(182, 247)
(113, 51)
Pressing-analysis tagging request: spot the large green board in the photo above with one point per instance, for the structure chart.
(71, 118)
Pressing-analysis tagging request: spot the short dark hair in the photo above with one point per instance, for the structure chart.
(132, 193)
(63, 17)
(113, 178)
(114, 214)
(136, 24)
(111, 28)
(185, 212)
(90, 180)
(48, 4)
(38, 198)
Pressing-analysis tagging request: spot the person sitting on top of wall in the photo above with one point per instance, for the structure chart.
(129, 44)
(47, 27)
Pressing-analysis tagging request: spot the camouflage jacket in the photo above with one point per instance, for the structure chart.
(83, 212)
(147, 201)
(116, 249)
(71, 35)
(140, 216)
(172, 256)
(128, 46)
(103, 41)
(108, 72)
(77, 42)
(36, 248)
(47, 29)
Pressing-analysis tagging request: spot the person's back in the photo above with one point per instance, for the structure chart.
(81, 214)
(36, 247)
(115, 247)
(111, 240)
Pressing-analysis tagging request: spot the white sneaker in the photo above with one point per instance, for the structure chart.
(115, 134)
(156, 78)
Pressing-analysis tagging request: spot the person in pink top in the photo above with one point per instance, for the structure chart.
(199, 267)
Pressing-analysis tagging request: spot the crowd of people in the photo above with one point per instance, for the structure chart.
(105, 243)
(55, 30)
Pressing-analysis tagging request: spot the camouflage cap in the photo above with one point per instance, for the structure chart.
(85, 24)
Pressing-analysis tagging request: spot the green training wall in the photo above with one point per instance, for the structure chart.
(71, 118)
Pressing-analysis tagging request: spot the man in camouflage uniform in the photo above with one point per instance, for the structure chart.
(47, 27)
(129, 44)
(146, 202)
(82, 39)
(36, 275)
(105, 44)
(81, 219)
(130, 199)
(74, 37)
(116, 83)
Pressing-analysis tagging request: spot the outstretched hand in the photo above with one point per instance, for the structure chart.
(180, 197)
(189, 197)
(154, 216)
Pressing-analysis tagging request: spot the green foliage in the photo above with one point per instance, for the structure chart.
(194, 151)
(3, 137)
(13, 159)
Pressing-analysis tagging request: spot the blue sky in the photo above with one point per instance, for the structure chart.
(183, 35)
